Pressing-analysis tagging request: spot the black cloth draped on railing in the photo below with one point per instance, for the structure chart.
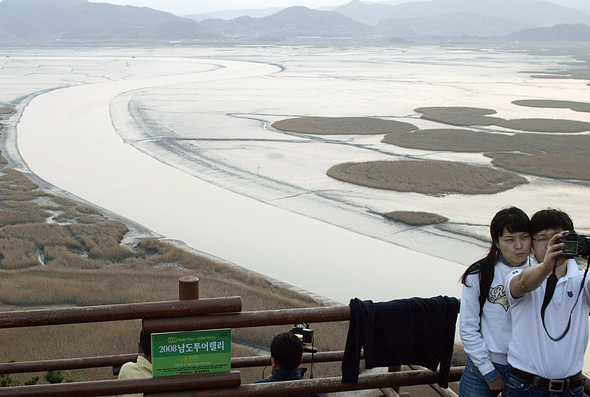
(413, 331)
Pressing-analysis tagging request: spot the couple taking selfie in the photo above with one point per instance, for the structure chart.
(525, 309)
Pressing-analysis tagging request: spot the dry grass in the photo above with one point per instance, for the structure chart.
(103, 240)
(460, 116)
(18, 212)
(55, 253)
(465, 116)
(16, 254)
(453, 140)
(547, 103)
(545, 125)
(41, 234)
(461, 140)
(563, 157)
(559, 166)
(44, 286)
(436, 178)
(14, 186)
(416, 218)
(342, 125)
(66, 341)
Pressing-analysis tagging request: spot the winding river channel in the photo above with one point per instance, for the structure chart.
(67, 138)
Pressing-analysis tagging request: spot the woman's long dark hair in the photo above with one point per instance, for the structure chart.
(512, 219)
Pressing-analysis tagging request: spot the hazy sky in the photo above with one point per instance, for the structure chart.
(184, 7)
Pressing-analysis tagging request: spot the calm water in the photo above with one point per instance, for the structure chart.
(179, 140)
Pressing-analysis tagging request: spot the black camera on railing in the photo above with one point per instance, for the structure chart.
(304, 333)
(574, 245)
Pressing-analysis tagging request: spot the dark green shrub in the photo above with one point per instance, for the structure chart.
(32, 381)
(53, 376)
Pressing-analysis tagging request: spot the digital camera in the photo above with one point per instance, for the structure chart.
(303, 332)
(574, 245)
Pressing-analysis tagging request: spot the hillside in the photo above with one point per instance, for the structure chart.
(291, 22)
(82, 20)
(73, 21)
(563, 32)
(233, 14)
(449, 25)
(530, 12)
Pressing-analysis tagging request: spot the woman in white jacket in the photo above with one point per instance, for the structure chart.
(485, 321)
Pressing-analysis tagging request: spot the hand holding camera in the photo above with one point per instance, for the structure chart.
(574, 245)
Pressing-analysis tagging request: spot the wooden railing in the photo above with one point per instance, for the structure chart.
(187, 314)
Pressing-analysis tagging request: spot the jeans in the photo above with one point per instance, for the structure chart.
(473, 384)
(516, 387)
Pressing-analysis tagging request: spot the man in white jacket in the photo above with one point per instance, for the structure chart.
(549, 329)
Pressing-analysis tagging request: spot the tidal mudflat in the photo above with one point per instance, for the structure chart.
(207, 114)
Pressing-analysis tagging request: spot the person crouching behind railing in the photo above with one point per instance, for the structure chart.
(286, 353)
(143, 367)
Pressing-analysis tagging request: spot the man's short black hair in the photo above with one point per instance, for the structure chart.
(550, 219)
(145, 342)
(287, 350)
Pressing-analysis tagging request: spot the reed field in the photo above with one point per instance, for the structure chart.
(57, 253)
(474, 141)
(342, 125)
(546, 103)
(416, 218)
(550, 148)
(465, 116)
(431, 177)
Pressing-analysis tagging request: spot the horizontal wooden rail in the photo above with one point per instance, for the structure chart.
(116, 361)
(439, 390)
(248, 319)
(164, 385)
(321, 385)
(389, 392)
(261, 361)
(67, 364)
(130, 311)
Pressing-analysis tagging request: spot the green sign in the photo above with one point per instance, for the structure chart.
(188, 353)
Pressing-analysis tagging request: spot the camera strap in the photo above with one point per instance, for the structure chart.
(549, 291)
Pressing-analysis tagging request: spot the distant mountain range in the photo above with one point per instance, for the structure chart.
(528, 12)
(564, 32)
(80, 20)
(291, 22)
(233, 14)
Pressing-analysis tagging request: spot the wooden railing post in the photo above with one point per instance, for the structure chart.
(396, 368)
(188, 288)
